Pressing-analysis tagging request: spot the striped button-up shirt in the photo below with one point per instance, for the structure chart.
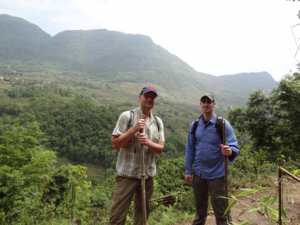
(129, 158)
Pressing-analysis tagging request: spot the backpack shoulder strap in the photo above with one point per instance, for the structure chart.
(219, 126)
(195, 128)
(131, 114)
(157, 124)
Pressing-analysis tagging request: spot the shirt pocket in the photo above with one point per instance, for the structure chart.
(130, 146)
(152, 133)
(130, 125)
(214, 142)
(155, 138)
(213, 136)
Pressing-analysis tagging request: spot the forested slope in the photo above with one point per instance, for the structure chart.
(73, 124)
(76, 129)
(20, 40)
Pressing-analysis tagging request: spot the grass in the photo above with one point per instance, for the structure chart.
(168, 216)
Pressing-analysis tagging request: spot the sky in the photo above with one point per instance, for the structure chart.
(219, 37)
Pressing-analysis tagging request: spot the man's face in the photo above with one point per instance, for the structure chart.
(147, 100)
(207, 105)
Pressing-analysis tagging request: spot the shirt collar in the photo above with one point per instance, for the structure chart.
(212, 119)
(143, 115)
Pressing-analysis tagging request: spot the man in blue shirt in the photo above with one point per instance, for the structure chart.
(205, 150)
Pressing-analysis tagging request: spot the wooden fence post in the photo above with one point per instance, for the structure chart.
(279, 194)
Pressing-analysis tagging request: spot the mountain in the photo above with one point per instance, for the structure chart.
(239, 86)
(19, 39)
(114, 58)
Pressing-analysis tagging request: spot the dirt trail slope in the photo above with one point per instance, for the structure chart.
(239, 213)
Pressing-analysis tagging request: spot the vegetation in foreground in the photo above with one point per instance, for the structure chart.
(33, 191)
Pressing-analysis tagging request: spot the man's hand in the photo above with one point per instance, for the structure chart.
(156, 148)
(139, 125)
(143, 139)
(226, 150)
(121, 140)
(188, 179)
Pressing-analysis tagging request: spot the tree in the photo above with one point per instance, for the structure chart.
(25, 165)
(272, 120)
(70, 128)
(170, 175)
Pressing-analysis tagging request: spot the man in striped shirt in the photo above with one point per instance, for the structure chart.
(127, 138)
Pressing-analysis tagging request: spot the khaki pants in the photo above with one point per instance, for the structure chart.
(124, 190)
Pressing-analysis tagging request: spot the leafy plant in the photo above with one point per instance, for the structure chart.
(264, 205)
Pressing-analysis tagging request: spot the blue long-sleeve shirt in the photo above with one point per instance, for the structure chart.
(205, 152)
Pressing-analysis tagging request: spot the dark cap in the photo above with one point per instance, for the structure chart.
(210, 96)
(148, 89)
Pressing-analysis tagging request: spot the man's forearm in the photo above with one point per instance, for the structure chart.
(188, 164)
(156, 148)
(120, 141)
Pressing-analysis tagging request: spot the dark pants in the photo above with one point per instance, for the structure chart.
(216, 188)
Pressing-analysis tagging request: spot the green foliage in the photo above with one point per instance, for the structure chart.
(59, 185)
(31, 189)
(295, 172)
(170, 175)
(31, 91)
(272, 120)
(101, 194)
(78, 129)
(20, 40)
(186, 127)
(25, 165)
(166, 215)
(264, 205)
(174, 146)
(9, 108)
(80, 191)
(251, 161)
(76, 92)
(242, 223)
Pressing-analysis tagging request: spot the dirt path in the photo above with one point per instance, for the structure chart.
(239, 213)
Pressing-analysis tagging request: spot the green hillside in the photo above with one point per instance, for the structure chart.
(115, 57)
(19, 39)
(236, 88)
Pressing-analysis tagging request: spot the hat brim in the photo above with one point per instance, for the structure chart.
(152, 92)
(210, 98)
